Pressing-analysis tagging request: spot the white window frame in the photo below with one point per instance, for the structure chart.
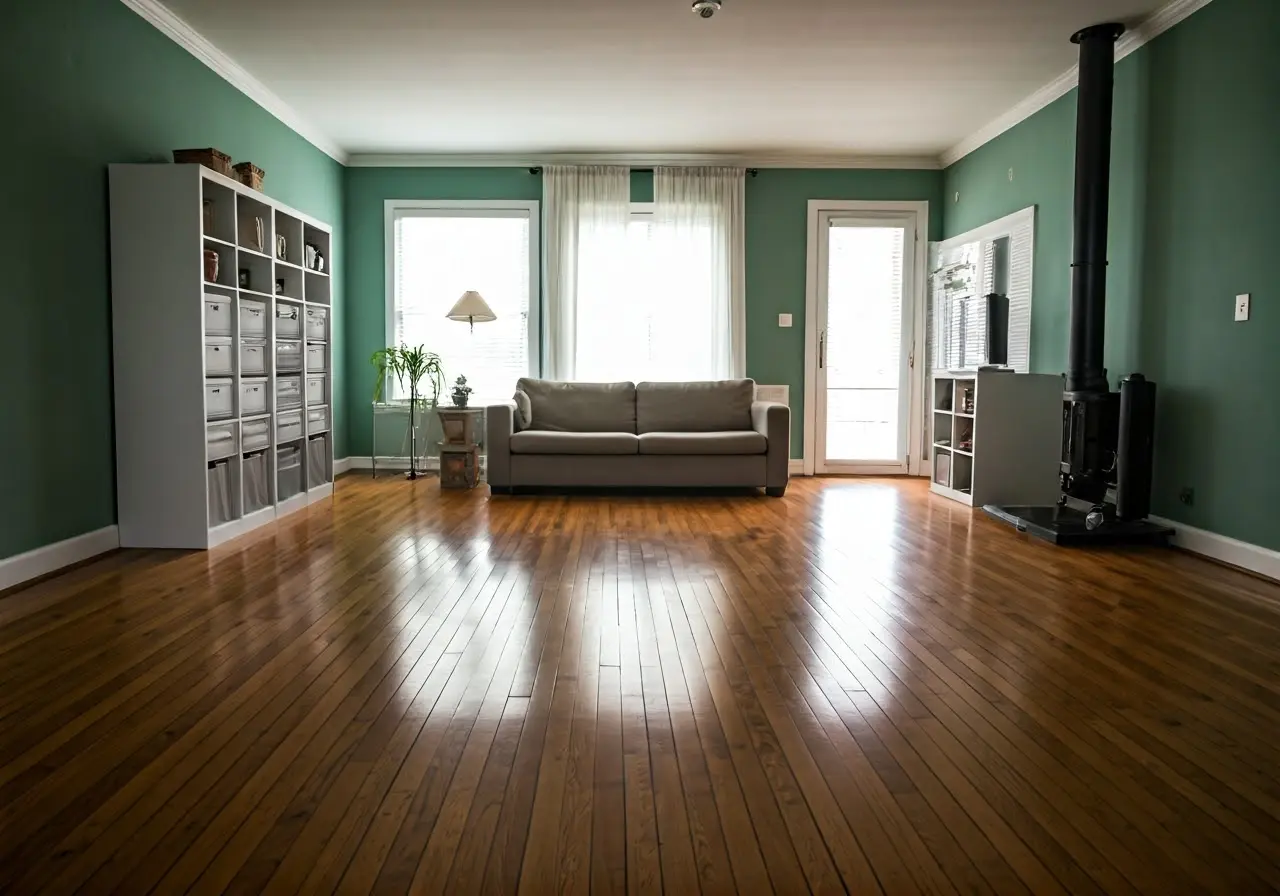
(821, 210)
(470, 208)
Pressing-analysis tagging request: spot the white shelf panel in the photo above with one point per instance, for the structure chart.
(214, 239)
(254, 252)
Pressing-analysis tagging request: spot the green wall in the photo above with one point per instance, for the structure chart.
(84, 83)
(1195, 186)
(776, 231)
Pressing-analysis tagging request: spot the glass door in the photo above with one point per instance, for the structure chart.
(865, 266)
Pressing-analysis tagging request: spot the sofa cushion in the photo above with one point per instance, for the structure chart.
(524, 410)
(533, 441)
(580, 407)
(739, 442)
(712, 406)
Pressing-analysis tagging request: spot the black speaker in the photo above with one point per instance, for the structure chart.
(997, 330)
(1134, 453)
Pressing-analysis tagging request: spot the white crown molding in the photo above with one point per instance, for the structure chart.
(59, 555)
(1254, 558)
(1156, 24)
(636, 160)
(181, 33)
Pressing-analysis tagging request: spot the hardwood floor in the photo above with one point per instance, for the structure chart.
(858, 688)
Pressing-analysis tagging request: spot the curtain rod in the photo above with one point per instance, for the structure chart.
(537, 169)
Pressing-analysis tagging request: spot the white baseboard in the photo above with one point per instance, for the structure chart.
(796, 467)
(430, 464)
(1263, 561)
(341, 465)
(53, 557)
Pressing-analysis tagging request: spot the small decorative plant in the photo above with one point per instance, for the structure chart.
(461, 392)
(409, 366)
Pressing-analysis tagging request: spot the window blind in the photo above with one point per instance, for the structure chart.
(438, 255)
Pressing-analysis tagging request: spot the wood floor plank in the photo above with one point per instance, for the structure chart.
(857, 688)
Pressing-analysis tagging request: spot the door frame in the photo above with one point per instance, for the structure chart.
(824, 209)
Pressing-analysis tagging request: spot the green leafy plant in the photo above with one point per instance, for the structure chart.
(410, 366)
(461, 392)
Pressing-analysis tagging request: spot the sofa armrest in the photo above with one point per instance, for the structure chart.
(499, 425)
(773, 421)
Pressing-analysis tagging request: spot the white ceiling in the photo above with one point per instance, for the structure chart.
(871, 77)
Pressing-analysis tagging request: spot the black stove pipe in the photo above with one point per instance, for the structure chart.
(1085, 371)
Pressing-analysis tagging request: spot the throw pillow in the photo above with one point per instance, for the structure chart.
(524, 410)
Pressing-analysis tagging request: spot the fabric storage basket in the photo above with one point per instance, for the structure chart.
(253, 359)
(220, 441)
(217, 358)
(318, 420)
(217, 399)
(315, 390)
(257, 482)
(217, 315)
(253, 319)
(219, 493)
(288, 426)
(315, 357)
(288, 472)
(288, 356)
(288, 392)
(253, 397)
(317, 461)
(255, 434)
(316, 319)
(288, 324)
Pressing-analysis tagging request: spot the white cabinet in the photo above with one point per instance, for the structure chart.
(997, 437)
(199, 394)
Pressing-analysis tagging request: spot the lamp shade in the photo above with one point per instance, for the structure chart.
(471, 308)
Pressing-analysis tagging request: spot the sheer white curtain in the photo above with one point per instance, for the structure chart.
(699, 272)
(585, 217)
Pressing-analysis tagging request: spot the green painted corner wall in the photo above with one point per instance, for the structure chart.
(776, 232)
(1193, 216)
(84, 83)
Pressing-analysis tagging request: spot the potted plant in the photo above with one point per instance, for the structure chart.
(461, 392)
(410, 366)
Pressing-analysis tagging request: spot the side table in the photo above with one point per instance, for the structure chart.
(459, 450)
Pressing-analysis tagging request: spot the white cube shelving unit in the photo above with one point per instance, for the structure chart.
(997, 437)
(221, 387)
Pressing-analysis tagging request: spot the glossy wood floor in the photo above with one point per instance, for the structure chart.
(857, 688)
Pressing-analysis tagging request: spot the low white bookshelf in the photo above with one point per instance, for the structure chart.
(997, 437)
(222, 386)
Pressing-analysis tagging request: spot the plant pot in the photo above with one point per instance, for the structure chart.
(460, 399)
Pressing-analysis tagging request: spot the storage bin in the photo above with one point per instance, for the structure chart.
(217, 315)
(219, 493)
(317, 319)
(257, 482)
(288, 426)
(253, 397)
(253, 359)
(253, 319)
(220, 441)
(288, 322)
(288, 356)
(288, 472)
(288, 392)
(217, 399)
(318, 420)
(217, 358)
(317, 461)
(315, 390)
(316, 357)
(255, 434)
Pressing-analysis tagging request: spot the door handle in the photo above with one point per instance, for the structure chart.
(822, 349)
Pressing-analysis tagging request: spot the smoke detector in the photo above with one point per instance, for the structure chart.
(706, 8)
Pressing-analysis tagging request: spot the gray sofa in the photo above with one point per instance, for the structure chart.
(697, 434)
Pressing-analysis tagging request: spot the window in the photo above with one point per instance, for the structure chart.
(998, 258)
(657, 319)
(438, 251)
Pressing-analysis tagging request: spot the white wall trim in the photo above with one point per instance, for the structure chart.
(639, 160)
(180, 32)
(341, 465)
(56, 556)
(1154, 25)
(795, 467)
(1263, 561)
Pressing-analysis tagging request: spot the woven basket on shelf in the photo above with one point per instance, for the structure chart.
(250, 175)
(208, 157)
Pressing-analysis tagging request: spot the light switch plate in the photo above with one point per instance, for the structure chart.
(1242, 307)
(784, 320)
